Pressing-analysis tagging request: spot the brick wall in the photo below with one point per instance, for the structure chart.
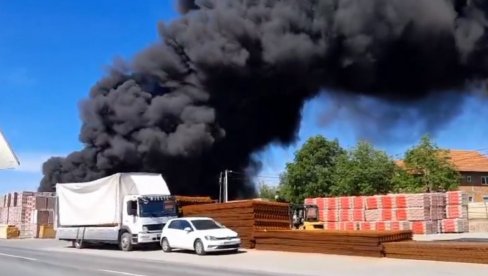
(477, 192)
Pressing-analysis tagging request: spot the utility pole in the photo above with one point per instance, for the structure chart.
(220, 187)
(226, 186)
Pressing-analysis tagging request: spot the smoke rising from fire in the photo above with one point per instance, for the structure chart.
(231, 76)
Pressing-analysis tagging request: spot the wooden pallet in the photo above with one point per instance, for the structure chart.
(448, 251)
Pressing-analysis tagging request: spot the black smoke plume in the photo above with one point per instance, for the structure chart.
(231, 76)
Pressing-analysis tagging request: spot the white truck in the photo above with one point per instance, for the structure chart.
(127, 209)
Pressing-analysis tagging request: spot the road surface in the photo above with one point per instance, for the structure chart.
(24, 261)
(50, 257)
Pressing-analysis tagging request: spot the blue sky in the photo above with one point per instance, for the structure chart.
(52, 52)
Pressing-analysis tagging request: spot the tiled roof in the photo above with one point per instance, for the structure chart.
(464, 161)
(469, 160)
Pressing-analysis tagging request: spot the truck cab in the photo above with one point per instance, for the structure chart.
(145, 216)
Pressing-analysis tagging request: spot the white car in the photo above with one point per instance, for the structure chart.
(200, 234)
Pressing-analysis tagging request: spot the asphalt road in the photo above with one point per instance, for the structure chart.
(24, 261)
(50, 257)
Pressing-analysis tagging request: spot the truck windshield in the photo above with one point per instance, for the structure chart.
(157, 208)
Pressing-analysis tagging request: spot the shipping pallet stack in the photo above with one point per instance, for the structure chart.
(244, 217)
(456, 220)
(424, 213)
(356, 243)
(28, 211)
(447, 251)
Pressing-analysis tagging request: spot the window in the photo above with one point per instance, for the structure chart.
(468, 178)
(184, 224)
(485, 199)
(206, 224)
(175, 224)
(132, 208)
(484, 180)
(470, 198)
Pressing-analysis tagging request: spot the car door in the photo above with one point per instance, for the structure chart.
(172, 234)
(187, 237)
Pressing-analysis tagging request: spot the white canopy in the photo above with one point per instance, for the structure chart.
(8, 160)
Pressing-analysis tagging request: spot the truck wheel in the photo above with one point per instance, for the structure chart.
(165, 245)
(199, 249)
(77, 244)
(125, 243)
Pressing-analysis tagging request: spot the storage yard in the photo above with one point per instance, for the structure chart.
(374, 226)
(31, 212)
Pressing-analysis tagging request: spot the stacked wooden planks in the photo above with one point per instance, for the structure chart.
(182, 201)
(448, 251)
(357, 243)
(244, 217)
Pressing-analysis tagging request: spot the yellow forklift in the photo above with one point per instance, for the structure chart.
(305, 217)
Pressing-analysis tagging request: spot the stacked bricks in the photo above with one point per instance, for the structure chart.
(28, 211)
(423, 213)
(456, 220)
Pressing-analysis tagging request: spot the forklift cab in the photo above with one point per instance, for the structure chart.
(306, 217)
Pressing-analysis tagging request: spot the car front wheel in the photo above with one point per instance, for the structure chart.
(199, 248)
(165, 245)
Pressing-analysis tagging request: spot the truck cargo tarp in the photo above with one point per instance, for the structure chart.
(100, 202)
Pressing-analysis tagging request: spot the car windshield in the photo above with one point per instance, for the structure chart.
(206, 224)
(156, 208)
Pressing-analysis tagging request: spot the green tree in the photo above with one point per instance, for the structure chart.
(363, 171)
(311, 172)
(426, 167)
(267, 191)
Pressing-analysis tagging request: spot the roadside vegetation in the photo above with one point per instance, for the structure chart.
(321, 167)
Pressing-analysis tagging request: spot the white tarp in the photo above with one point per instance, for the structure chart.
(8, 160)
(100, 202)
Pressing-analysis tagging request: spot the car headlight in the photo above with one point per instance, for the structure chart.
(210, 238)
(144, 229)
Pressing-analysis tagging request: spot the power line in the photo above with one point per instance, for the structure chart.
(255, 176)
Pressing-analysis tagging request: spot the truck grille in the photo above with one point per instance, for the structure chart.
(155, 227)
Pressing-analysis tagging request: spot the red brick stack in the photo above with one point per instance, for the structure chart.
(424, 213)
(28, 211)
(456, 220)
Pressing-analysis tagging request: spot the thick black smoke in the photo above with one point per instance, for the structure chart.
(231, 76)
(185, 6)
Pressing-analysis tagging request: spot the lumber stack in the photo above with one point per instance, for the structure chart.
(448, 251)
(193, 200)
(357, 243)
(244, 217)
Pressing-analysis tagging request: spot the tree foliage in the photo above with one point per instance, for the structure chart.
(363, 171)
(267, 191)
(426, 167)
(312, 171)
(322, 168)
